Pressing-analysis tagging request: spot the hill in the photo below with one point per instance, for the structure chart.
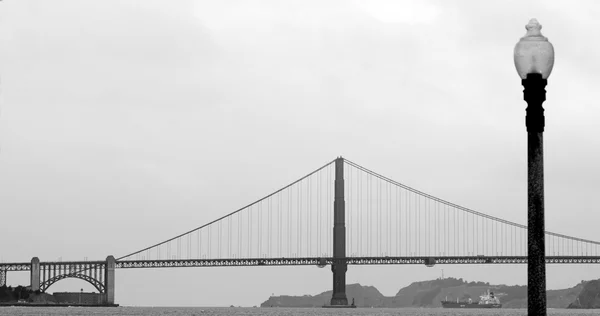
(589, 296)
(363, 296)
(431, 293)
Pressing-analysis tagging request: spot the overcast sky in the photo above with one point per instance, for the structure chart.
(123, 123)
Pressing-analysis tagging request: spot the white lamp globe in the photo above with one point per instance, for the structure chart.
(534, 53)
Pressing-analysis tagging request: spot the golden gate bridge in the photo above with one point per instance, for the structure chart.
(338, 215)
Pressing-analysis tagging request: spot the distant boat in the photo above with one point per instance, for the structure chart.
(487, 300)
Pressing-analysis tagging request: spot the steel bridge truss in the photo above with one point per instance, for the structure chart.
(97, 284)
(52, 272)
(428, 261)
(91, 272)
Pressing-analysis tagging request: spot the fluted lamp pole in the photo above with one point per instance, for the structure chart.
(534, 58)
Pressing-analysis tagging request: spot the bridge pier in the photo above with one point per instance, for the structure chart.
(109, 280)
(338, 297)
(35, 274)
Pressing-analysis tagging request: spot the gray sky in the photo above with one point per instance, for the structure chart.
(123, 123)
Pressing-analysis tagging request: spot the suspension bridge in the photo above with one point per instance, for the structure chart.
(338, 215)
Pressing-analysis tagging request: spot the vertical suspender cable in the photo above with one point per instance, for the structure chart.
(348, 197)
(398, 219)
(299, 221)
(391, 221)
(378, 218)
(361, 231)
(308, 208)
(369, 217)
(260, 229)
(319, 215)
(410, 226)
(270, 231)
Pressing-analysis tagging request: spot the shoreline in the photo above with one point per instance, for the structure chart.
(16, 304)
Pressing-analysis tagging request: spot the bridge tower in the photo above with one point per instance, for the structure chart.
(35, 274)
(109, 280)
(339, 237)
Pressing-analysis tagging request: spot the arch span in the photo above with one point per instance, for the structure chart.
(95, 283)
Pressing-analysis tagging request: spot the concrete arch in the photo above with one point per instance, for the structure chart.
(97, 284)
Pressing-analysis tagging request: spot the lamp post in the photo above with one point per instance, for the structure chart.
(534, 58)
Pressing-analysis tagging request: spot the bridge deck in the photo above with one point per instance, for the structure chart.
(134, 264)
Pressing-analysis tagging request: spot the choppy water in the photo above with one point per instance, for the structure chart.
(202, 311)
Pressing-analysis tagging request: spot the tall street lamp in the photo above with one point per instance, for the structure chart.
(534, 58)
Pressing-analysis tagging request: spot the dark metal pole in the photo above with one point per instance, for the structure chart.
(339, 237)
(535, 95)
(3, 277)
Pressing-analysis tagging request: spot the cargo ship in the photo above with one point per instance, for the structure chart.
(488, 300)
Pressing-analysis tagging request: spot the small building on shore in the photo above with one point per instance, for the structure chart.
(79, 298)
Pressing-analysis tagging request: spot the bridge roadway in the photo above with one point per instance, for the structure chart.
(183, 263)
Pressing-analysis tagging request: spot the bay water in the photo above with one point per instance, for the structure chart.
(227, 311)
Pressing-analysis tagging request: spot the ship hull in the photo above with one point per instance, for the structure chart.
(469, 305)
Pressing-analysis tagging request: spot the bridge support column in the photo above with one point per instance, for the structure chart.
(339, 237)
(109, 280)
(3, 277)
(35, 274)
